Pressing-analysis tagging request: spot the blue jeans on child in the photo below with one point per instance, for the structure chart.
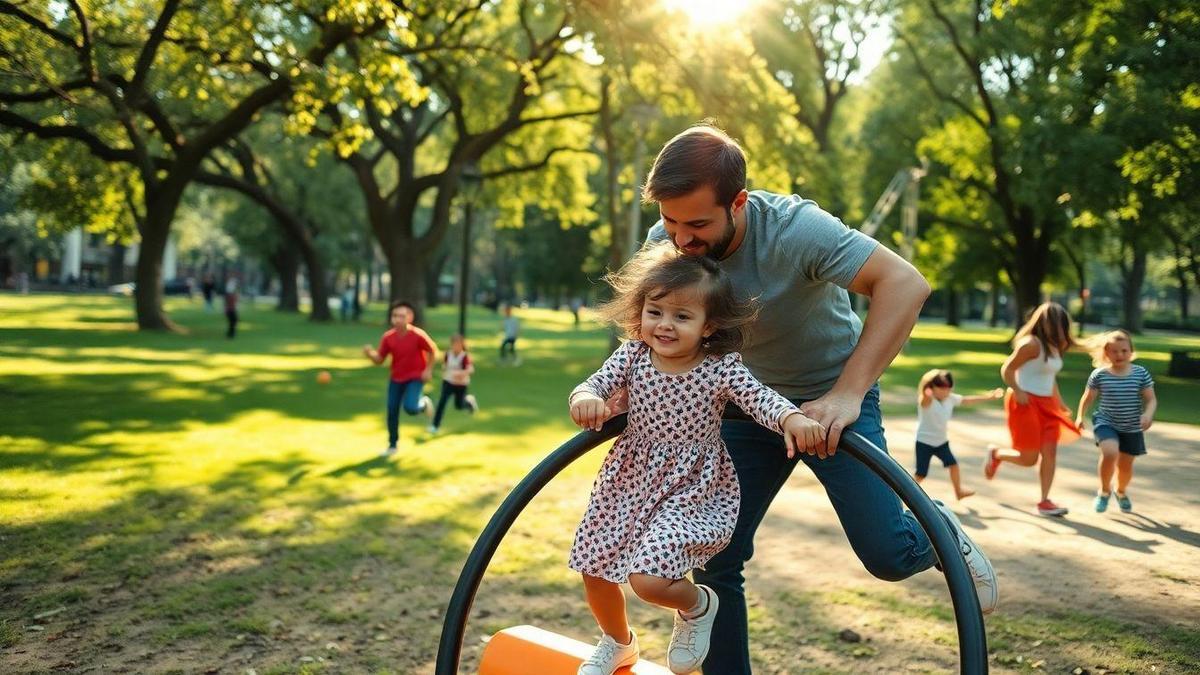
(408, 394)
(887, 539)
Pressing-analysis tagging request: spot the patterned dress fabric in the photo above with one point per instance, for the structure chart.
(666, 498)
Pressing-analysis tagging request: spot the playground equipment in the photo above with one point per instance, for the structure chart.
(904, 184)
(525, 649)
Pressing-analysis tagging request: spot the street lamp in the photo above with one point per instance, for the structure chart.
(469, 181)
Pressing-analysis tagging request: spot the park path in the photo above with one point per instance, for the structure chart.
(1142, 567)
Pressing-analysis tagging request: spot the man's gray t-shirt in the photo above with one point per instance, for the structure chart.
(797, 261)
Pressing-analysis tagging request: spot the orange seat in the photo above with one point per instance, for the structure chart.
(529, 650)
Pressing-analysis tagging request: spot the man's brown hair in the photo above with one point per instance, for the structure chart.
(700, 156)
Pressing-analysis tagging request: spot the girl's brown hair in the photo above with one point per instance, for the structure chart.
(1097, 344)
(933, 378)
(659, 269)
(1051, 325)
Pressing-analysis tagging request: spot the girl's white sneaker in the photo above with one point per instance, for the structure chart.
(608, 656)
(690, 639)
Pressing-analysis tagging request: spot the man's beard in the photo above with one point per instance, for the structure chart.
(718, 249)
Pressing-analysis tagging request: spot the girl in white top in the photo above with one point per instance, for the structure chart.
(1038, 420)
(936, 402)
(456, 375)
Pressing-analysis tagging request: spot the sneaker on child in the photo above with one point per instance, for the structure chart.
(388, 452)
(472, 404)
(982, 572)
(1124, 503)
(990, 463)
(690, 638)
(1101, 502)
(609, 655)
(1049, 508)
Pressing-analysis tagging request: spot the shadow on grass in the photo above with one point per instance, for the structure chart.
(185, 571)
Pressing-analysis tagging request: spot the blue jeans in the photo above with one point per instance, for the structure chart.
(887, 539)
(408, 394)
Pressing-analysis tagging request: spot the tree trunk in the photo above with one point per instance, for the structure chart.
(952, 317)
(1027, 291)
(432, 280)
(408, 275)
(286, 261)
(1134, 280)
(318, 284)
(156, 227)
(994, 303)
(1181, 278)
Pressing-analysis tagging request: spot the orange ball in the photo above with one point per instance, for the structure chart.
(324, 377)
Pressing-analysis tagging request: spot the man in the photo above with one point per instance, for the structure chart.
(799, 262)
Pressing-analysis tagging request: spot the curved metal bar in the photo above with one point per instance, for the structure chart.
(972, 638)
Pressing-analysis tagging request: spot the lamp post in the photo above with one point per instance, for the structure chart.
(469, 181)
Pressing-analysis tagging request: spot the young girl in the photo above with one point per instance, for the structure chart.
(1038, 421)
(412, 353)
(456, 375)
(1127, 405)
(936, 402)
(666, 498)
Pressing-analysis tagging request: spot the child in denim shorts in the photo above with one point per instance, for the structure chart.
(1127, 404)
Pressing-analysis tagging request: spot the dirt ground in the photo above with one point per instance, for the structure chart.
(1141, 568)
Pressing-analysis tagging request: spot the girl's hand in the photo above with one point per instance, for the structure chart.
(589, 412)
(1146, 422)
(1020, 396)
(996, 393)
(802, 434)
(367, 349)
(1079, 422)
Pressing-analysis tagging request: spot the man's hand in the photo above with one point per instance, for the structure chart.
(835, 412)
(1079, 422)
(802, 434)
(427, 376)
(1146, 421)
(589, 412)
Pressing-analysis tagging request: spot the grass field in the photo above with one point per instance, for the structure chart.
(181, 502)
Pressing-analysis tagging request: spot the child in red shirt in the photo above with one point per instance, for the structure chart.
(412, 353)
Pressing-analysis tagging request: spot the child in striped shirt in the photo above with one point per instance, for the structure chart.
(1127, 404)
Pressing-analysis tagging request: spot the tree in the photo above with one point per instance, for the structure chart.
(496, 86)
(159, 91)
(813, 48)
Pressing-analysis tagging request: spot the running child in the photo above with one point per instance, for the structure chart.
(1127, 405)
(936, 402)
(1038, 421)
(667, 497)
(512, 330)
(412, 353)
(457, 368)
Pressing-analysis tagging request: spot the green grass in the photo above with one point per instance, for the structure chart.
(192, 495)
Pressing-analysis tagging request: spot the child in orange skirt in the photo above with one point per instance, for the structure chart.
(1038, 420)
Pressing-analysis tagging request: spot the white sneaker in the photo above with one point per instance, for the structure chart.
(690, 638)
(431, 430)
(427, 408)
(608, 656)
(981, 568)
(388, 453)
(472, 404)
